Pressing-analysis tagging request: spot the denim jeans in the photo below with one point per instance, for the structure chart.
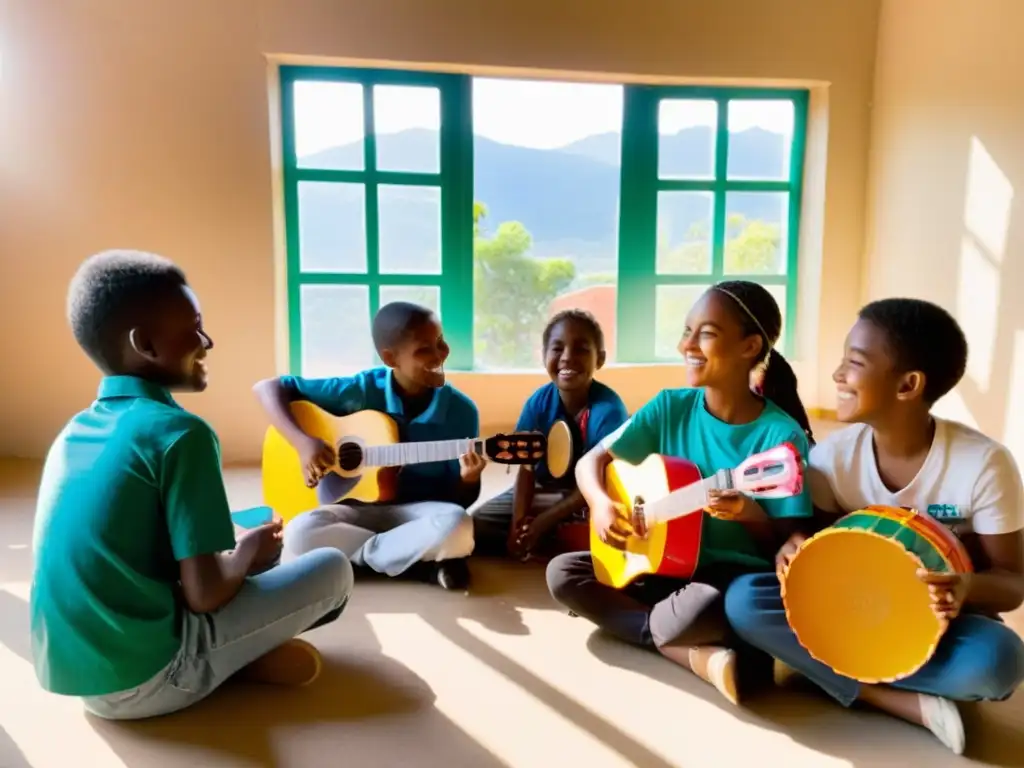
(978, 658)
(270, 609)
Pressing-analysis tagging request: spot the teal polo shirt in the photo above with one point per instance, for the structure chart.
(451, 415)
(130, 486)
(545, 407)
(677, 423)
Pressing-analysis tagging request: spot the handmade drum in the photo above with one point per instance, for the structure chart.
(853, 598)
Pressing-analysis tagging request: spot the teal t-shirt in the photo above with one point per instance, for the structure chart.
(131, 486)
(677, 423)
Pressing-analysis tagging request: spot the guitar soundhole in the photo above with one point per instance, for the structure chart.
(350, 456)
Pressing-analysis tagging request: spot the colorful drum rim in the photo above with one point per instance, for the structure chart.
(950, 557)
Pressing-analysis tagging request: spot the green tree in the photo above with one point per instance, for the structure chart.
(512, 292)
(752, 247)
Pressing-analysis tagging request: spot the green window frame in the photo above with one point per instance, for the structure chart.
(639, 187)
(455, 181)
(638, 214)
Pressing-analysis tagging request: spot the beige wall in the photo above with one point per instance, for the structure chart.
(946, 197)
(145, 124)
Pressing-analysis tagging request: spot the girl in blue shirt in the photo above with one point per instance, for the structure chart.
(518, 520)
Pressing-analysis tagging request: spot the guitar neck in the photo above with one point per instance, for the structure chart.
(687, 501)
(400, 454)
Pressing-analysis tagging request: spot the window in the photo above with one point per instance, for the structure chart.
(499, 202)
(711, 181)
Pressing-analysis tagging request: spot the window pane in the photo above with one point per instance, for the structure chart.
(407, 128)
(686, 138)
(546, 171)
(332, 227)
(760, 139)
(671, 304)
(335, 329)
(756, 229)
(410, 229)
(684, 233)
(428, 296)
(328, 120)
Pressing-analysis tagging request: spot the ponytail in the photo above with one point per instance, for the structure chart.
(759, 314)
(779, 384)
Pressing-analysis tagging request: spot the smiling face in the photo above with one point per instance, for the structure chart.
(418, 359)
(868, 384)
(172, 343)
(572, 357)
(715, 346)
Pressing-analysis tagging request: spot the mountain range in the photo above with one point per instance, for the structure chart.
(568, 198)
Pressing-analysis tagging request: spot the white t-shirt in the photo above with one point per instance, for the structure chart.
(968, 481)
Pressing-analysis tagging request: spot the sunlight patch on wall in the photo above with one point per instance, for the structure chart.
(987, 201)
(977, 305)
(1013, 424)
(989, 196)
(953, 408)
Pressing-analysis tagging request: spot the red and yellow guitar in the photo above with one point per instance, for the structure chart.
(369, 457)
(669, 495)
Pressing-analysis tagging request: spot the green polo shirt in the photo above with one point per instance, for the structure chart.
(677, 423)
(131, 486)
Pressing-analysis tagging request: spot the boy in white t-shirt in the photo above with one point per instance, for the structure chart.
(900, 357)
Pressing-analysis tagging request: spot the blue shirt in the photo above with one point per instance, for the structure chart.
(677, 423)
(449, 416)
(131, 486)
(545, 407)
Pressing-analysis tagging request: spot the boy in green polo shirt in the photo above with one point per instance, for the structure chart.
(142, 601)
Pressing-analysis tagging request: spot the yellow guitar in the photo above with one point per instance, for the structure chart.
(369, 457)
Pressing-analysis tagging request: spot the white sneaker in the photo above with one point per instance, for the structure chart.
(942, 718)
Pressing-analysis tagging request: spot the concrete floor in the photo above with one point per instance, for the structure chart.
(419, 677)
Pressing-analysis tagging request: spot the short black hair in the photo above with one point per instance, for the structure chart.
(924, 337)
(394, 321)
(109, 292)
(580, 316)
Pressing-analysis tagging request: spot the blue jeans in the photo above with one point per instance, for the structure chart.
(978, 659)
(270, 609)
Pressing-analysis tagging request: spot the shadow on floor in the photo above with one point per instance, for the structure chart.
(585, 719)
(355, 714)
(995, 734)
(10, 755)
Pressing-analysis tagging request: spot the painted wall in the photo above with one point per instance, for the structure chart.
(147, 125)
(946, 198)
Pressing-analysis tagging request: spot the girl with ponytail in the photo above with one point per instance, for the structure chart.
(741, 400)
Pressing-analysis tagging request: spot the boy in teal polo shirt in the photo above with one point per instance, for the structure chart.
(425, 532)
(142, 601)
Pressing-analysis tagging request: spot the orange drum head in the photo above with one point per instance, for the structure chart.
(854, 598)
(559, 453)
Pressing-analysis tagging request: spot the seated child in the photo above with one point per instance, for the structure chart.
(901, 356)
(425, 532)
(517, 520)
(716, 423)
(142, 601)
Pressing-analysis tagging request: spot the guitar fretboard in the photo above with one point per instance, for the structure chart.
(684, 501)
(401, 454)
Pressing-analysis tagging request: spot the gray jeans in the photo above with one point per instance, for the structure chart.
(656, 612)
(389, 538)
(270, 609)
